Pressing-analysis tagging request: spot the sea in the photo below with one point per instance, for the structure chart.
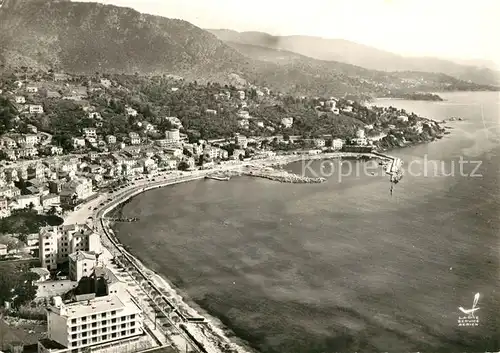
(345, 265)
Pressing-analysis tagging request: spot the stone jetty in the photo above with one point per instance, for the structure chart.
(283, 176)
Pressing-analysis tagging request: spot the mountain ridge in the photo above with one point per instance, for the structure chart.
(360, 55)
(85, 37)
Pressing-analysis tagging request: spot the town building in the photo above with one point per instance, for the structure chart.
(90, 322)
(95, 115)
(78, 142)
(4, 207)
(20, 100)
(134, 138)
(32, 89)
(287, 122)
(111, 139)
(241, 141)
(26, 201)
(131, 111)
(172, 136)
(76, 190)
(7, 142)
(36, 109)
(337, 144)
(50, 200)
(81, 264)
(105, 82)
(90, 132)
(57, 243)
(32, 129)
(36, 171)
(319, 143)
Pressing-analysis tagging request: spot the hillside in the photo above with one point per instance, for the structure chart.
(348, 76)
(361, 55)
(89, 37)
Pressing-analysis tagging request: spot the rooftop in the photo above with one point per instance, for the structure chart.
(106, 274)
(82, 255)
(50, 344)
(88, 307)
(40, 271)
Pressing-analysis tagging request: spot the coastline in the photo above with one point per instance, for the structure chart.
(215, 336)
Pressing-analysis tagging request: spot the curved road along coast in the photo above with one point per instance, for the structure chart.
(165, 306)
(191, 335)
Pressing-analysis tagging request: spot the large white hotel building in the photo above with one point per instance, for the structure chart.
(92, 322)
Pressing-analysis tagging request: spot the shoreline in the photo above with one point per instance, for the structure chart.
(215, 336)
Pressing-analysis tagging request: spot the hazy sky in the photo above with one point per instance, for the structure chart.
(461, 29)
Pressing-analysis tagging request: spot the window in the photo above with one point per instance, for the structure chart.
(94, 340)
(132, 316)
(132, 331)
(84, 327)
(94, 332)
(123, 333)
(124, 325)
(73, 336)
(113, 312)
(132, 324)
(94, 324)
(74, 344)
(84, 334)
(103, 315)
(104, 322)
(84, 319)
(104, 329)
(73, 321)
(113, 321)
(113, 328)
(124, 318)
(104, 337)
(94, 317)
(84, 341)
(73, 328)
(113, 335)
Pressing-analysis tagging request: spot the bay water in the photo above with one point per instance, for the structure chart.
(344, 266)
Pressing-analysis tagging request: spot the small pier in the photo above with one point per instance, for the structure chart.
(124, 220)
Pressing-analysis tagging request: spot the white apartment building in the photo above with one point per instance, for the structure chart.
(92, 322)
(241, 141)
(111, 139)
(172, 136)
(20, 99)
(36, 109)
(57, 243)
(131, 111)
(337, 144)
(81, 264)
(287, 122)
(90, 132)
(78, 142)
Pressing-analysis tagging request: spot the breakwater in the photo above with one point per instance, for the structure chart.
(283, 176)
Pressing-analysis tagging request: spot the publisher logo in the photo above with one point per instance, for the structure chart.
(470, 317)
